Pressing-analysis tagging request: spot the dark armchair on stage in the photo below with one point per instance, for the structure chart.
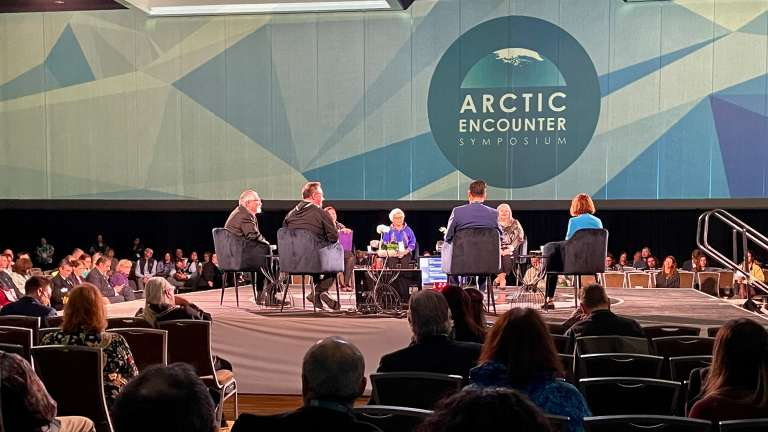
(583, 254)
(236, 254)
(303, 253)
(474, 252)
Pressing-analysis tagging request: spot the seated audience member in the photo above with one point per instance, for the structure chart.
(77, 277)
(99, 247)
(36, 302)
(465, 329)
(638, 261)
(85, 319)
(178, 255)
(736, 384)
(485, 409)
(44, 253)
(165, 266)
(98, 277)
(21, 271)
(332, 378)
(688, 265)
(609, 264)
(623, 260)
(755, 273)
(146, 268)
(519, 353)
(179, 276)
(193, 264)
(114, 261)
(6, 281)
(9, 254)
(477, 307)
(668, 277)
(88, 262)
(212, 276)
(531, 276)
(600, 320)
(77, 253)
(160, 304)
(432, 350)
(7, 295)
(137, 249)
(120, 275)
(61, 284)
(26, 404)
(651, 264)
(173, 397)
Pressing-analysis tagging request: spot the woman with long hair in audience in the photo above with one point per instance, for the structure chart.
(750, 266)
(87, 263)
(582, 217)
(85, 322)
(623, 260)
(166, 265)
(512, 236)
(519, 353)
(465, 329)
(21, 272)
(668, 277)
(736, 385)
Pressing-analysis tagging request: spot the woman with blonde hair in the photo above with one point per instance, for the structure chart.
(512, 236)
(85, 322)
(582, 217)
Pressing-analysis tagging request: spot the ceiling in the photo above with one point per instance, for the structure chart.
(224, 7)
(10, 6)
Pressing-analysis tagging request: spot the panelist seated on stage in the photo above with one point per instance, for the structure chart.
(332, 378)
(512, 237)
(309, 215)
(401, 234)
(433, 349)
(473, 215)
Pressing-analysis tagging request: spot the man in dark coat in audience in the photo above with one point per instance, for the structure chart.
(98, 276)
(36, 302)
(434, 350)
(332, 377)
(600, 321)
(61, 285)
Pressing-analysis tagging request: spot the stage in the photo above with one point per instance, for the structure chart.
(266, 347)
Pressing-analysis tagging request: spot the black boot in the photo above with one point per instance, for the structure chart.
(333, 304)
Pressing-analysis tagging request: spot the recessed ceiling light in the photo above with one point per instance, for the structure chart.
(220, 9)
(59, 2)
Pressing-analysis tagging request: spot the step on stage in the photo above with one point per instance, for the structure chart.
(266, 347)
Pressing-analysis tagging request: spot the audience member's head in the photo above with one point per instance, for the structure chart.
(582, 203)
(167, 258)
(645, 252)
(95, 258)
(206, 256)
(740, 363)
(110, 253)
(124, 266)
(477, 191)
(608, 260)
(313, 192)
(701, 262)
(333, 370)
(103, 264)
(39, 288)
(173, 397)
(459, 303)
(521, 341)
(87, 261)
(593, 297)
(148, 253)
(22, 266)
(428, 314)
(484, 409)
(76, 253)
(65, 268)
(637, 257)
(78, 266)
(99, 239)
(623, 259)
(749, 257)
(651, 262)
(178, 254)
(158, 291)
(193, 256)
(670, 265)
(85, 311)
(5, 260)
(9, 253)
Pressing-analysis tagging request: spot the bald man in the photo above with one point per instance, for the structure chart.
(332, 378)
(242, 222)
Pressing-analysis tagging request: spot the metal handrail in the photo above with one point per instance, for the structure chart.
(738, 227)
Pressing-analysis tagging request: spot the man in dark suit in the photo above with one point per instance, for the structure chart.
(434, 350)
(5, 276)
(332, 377)
(61, 285)
(309, 215)
(242, 222)
(36, 302)
(475, 214)
(98, 277)
(600, 321)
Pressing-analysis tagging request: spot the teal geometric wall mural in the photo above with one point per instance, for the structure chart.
(117, 105)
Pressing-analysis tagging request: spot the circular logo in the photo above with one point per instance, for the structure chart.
(514, 101)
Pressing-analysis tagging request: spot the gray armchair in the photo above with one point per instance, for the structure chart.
(237, 254)
(303, 253)
(474, 252)
(582, 254)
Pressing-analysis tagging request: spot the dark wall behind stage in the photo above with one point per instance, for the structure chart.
(667, 232)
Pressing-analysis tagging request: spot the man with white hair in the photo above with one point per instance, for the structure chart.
(242, 222)
(433, 349)
(332, 378)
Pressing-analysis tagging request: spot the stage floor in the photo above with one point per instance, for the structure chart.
(267, 347)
